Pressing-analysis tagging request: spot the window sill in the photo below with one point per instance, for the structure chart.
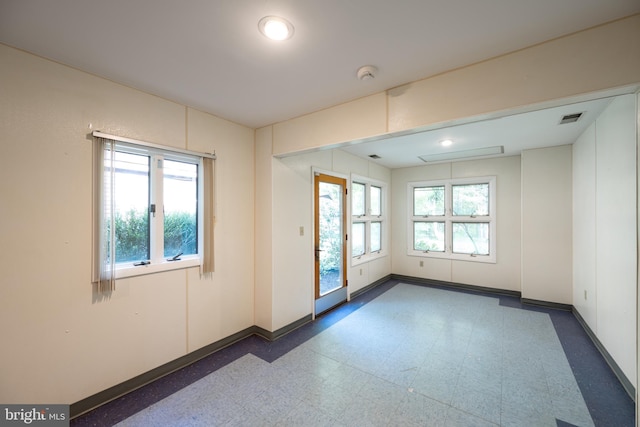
(362, 259)
(129, 270)
(489, 259)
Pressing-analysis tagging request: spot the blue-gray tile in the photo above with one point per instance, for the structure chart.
(413, 356)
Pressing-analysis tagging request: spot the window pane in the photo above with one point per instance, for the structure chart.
(428, 201)
(471, 199)
(428, 236)
(357, 199)
(180, 187)
(131, 205)
(376, 201)
(376, 236)
(357, 239)
(331, 235)
(471, 238)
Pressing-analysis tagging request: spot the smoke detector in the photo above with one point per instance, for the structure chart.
(367, 72)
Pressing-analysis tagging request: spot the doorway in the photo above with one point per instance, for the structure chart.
(330, 241)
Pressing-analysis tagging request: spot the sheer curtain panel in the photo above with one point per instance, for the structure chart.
(209, 216)
(104, 221)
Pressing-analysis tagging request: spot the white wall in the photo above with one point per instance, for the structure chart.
(223, 305)
(505, 273)
(263, 299)
(546, 224)
(62, 341)
(584, 226)
(605, 234)
(293, 208)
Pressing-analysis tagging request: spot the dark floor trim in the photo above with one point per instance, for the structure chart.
(367, 288)
(119, 390)
(460, 286)
(624, 381)
(266, 345)
(626, 384)
(112, 393)
(601, 388)
(272, 336)
(547, 304)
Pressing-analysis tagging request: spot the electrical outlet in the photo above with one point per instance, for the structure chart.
(585, 294)
(421, 263)
(301, 230)
(361, 272)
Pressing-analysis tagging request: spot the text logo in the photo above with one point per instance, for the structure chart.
(36, 415)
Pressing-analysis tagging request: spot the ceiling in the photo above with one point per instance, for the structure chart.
(209, 54)
(514, 133)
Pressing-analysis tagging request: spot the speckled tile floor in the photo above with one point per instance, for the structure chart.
(404, 355)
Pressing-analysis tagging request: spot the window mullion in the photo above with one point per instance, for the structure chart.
(157, 220)
(367, 236)
(448, 216)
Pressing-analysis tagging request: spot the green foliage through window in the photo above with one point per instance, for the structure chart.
(132, 235)
(180, 233)
(428, 201)
(330, 204)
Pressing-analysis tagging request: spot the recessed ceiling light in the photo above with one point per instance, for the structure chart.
(446, 142)
(275, 28)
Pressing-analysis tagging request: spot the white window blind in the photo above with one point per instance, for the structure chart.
(153, 209)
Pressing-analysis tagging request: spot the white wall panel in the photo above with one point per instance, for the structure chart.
(230, 289)
(616, 253)
(68, 342)
(263, 303)
(343, 123)
(293, 254)
(587, 61)
(546, 224)
(584, 226)
(505, 274)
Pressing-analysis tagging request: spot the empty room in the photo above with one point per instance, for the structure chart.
(288, 213)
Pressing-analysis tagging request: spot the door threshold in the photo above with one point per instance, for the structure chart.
(330, 300)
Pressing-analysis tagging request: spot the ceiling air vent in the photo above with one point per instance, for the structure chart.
(374, 156)
(570, 118)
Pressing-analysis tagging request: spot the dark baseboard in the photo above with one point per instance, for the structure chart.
(272, 336)
(87, 404)
(370, 286)
(626, 384)
(624, 381)
(547, 304)
(460, 286)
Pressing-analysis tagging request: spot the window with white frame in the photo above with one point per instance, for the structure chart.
(454, 219)
(153, 209)
(368, 219)
(156, 203)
